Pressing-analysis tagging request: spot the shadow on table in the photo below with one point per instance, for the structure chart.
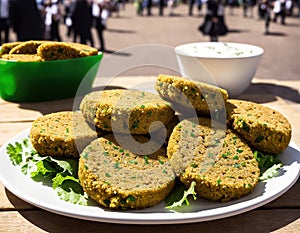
(257, 92)
(230, 30)
(69, 104)
(121, 31)
(267, 92)
(47, 107)
(275, 34)
(117, 53)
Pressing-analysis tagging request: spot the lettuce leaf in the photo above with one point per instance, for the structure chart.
(61, 174)
(271, 172)
(184, 200)
(269, 165)
(69, 189)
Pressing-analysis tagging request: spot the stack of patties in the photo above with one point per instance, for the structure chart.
(132, 145)
(124, 168)
(215, 149)
(39, 50)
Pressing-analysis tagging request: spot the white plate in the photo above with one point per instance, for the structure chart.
(201, 210)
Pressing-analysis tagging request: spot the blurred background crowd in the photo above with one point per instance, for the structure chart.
(41, 19)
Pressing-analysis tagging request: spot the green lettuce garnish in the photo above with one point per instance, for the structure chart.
(271, 172)
(69, 189)
(269, 165)
(184, 194)
(61, 174)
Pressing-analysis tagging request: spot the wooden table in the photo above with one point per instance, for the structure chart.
(281, 215)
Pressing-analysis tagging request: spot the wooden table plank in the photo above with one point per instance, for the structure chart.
(9, 201)
(12, 112)
(254, 221)
(10, 130)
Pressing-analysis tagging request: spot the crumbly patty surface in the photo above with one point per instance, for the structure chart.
(61, 134)
(22, 57)
(35, 50)
(187, 94)
(264, 129)
(64, 50)
(125, 111)
(116, 178)
(6, 47)
(218, 160)
(28, 47)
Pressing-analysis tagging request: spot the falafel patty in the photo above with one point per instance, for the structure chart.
(28, 47)
(264, 129)
(64, 50)
(186, 94)
(125, 111)
(61, 134)
(7, 47)
(218, 160)
(116, 178)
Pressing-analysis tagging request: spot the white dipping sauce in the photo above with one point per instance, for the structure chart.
(219, 50)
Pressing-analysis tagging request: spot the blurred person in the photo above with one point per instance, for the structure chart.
(232, 4)
(191, 7)
(81, 16)
(4, 21)
(279, 9)
(289, 4)
(100, 12)
(26, 20)
(250, 9)
(245, 4)
(267, 7)
(148, 4)
(261, 9)
(214, 22)
(198, 4)
(52, 16)
(172, 4)
(298, 6)
(139, 7)
(117, 6)
(40, 4)
(161, 6)
(248, 6)
(68, 4)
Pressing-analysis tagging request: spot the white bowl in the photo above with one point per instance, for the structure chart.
(231, 66)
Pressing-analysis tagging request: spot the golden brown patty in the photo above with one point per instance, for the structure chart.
(187, 94)
(263, 128)
(125, 111)
(6, 47)
(116, 178)
(64, 50)
(220, 162)
(28, 47)
(61, 134)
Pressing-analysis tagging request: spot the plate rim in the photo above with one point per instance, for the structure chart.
(136, 217)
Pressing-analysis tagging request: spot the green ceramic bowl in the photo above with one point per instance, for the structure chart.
(48, 80)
